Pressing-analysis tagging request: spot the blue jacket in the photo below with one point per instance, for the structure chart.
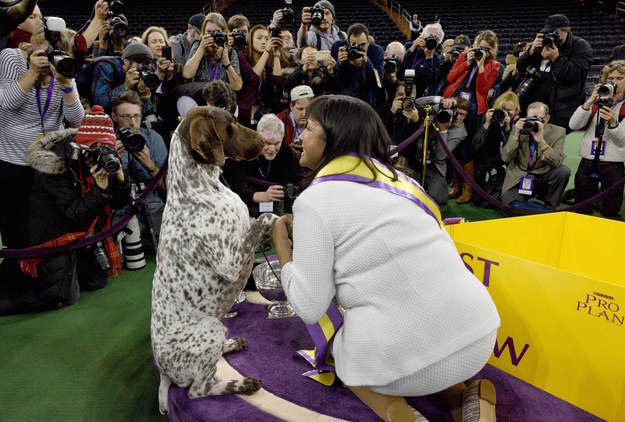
(362, 82)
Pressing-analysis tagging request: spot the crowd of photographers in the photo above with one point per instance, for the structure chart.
(504, 122)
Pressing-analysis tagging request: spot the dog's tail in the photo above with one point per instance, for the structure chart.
(163, 394)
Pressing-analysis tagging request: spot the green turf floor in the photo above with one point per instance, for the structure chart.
(92, 361)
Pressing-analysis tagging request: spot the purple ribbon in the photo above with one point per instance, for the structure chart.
(43, 112)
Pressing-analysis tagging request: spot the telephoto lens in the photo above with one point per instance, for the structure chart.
(499, 115)
(431, 42)
(132, 247)
(133, 142)
(62, 62)
(149, 77)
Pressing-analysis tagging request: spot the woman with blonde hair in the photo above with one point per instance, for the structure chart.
(472, 76)
(34, 100)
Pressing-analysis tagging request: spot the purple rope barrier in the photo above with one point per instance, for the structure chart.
(407, 141)
(40, 252)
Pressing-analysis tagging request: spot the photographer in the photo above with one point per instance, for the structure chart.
(393, 56)
(12, 16)
(142, 153)
(488, 142)
(447, 118)
(294, 118)
(115, 75)
(323, 32)
(275, 164)
(533, 155)
(360, 64)
(112, 37)
(422, 56)
(312, 72)
(608, 169)
(182, 44)
(562, 62)
(238, 32)
(35, 99)
(459, 45)
(77, 180)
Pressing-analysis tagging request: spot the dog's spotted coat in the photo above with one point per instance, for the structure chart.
(205, 256)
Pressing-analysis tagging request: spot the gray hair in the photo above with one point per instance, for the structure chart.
(436, 29)
(270, 124)
(537, 104)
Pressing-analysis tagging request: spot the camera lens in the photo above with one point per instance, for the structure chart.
(431, 42)
(287, 15)
(499, 116)
(120, 28)
(606, 90)
(444, 116)
(478, 54)
(389, 66)
(408, 104)
(455, 54)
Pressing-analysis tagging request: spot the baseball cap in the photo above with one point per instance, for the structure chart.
(197, 20)
(462, 41)
(555, 21)
(301, 91)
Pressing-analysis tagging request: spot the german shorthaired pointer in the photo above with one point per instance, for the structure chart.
(205, 256)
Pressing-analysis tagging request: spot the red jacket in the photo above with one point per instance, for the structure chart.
(288, 124)
(483, 83)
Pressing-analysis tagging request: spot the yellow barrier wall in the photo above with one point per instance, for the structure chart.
(559, 284)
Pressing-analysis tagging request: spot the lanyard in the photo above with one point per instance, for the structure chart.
(471, 77)
(42, 113)
(261, 172)
(212, 77)
(260, 82)
(326, 37)
(415, 63)
(532, 145)
(299, 132)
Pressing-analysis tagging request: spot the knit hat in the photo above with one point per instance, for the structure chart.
(301, 91)
(137, 51)
(327, 5)
(96, 126)
(197, 20)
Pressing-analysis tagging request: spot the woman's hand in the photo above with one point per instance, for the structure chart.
(101, 176)
(280, 237)
(38, 61)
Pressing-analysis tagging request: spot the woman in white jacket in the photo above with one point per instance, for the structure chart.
(610, 167)
(416, 320)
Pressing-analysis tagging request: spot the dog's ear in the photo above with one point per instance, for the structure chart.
(206, 140)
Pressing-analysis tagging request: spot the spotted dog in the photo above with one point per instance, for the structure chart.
(205, 255)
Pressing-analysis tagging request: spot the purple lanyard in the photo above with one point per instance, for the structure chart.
(43, 112)
(260, 82)
(415, 63)
(261, 172)
(532, 146)
(326, 37)
(210, 70)
(471, 77)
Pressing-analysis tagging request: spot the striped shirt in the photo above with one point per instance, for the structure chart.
(20, 121)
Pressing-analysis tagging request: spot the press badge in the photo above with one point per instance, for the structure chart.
(466, 96)
(594, 145)
(253, 118)
(265, 207)
(527, 185)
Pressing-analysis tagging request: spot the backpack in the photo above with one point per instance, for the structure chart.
(341, 35)
(84, 79)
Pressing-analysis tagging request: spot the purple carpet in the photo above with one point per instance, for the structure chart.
(270, 357)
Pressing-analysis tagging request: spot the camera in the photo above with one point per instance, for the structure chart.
(605, 93)
(317, 14)
(408, 103)
(100, 256)
(446, 115)
(499, 115)
(63, 62)
(53, 27)
(291, 192)
(532, 76)
(219, 38)
(531, 125)
(276, 32)
(354, 52)
(455, 53)
(287, 12)
(133, 142)
(105, 156)
(391, 64)
(148, 76)
(116, 6)
(239, 40)
(478, 53)
(551, 38)
(431, 42)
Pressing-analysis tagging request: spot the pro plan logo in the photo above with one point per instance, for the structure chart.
(601, 306)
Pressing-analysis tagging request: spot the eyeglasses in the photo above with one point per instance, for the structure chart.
(128, 117)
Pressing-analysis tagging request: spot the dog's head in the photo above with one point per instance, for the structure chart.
(214, 134)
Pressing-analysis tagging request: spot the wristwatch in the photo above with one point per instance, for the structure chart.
(152, 168)
(68, 89)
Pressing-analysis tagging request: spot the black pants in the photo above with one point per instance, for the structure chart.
(587, 186)
(548, 187)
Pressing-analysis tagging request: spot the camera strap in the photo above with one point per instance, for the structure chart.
(43, 112)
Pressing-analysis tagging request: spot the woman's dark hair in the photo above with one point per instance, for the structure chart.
(350, 126)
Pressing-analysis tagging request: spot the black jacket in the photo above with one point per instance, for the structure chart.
(562, 89)
(56, 207)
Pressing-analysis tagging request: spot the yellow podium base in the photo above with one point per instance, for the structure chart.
(559, 284)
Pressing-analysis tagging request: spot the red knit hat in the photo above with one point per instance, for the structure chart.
(96, 126)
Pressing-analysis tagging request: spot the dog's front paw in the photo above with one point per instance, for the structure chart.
(249, 386)
(234, 344)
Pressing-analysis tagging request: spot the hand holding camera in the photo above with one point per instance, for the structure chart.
(306, 16)
(273, 193)
(101, 9)
(101, 176)
(38, 62)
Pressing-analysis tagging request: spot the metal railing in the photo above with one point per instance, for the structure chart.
(620, 8)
